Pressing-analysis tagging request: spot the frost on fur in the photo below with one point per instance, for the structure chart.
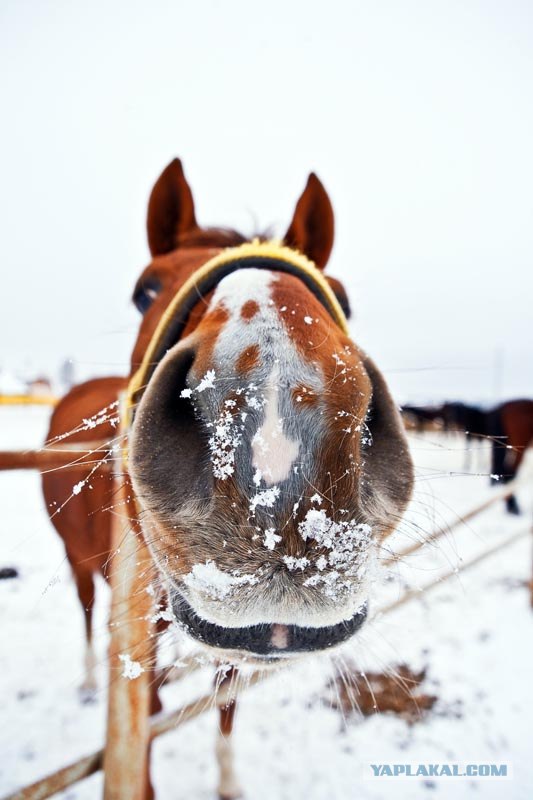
(293, 563)
(271, 538)
(348, 545)
(215, 583)
(266, 498)
(222, 444)
(131, 669)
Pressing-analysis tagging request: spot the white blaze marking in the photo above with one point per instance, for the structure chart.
(273, 453)
(240, 287)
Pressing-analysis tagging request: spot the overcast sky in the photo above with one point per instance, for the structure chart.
(417, 116)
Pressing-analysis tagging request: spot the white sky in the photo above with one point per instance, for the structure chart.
(418, 117)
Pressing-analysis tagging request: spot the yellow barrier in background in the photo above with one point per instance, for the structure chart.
(28, 400)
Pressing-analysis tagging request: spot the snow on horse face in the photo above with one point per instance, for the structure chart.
(267, 456)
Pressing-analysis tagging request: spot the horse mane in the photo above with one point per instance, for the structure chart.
(218, 237)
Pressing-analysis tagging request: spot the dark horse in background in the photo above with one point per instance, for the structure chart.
(420, 418)
(509, 427)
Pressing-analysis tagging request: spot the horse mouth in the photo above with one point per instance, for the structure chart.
(268, 640)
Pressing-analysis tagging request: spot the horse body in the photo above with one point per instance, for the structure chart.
(421, 418)
(473, 421)
(512, 424)
(508, 426)
(267, 456)
(81, 517)
(517, 423)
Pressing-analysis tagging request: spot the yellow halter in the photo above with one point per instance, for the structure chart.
(265, 255)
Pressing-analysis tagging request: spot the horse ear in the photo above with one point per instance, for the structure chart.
(312, 228)
(170, 209)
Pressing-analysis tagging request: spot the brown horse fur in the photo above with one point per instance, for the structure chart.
(337, 395)
(81, 519)
(513, 434)
(517, 424)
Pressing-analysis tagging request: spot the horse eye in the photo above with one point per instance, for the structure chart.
(145, 294)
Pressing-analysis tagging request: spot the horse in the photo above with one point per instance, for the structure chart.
(79, 517)
(508, 426)
(512, 431)
(471, 420)
(267, 457)
(421, 417)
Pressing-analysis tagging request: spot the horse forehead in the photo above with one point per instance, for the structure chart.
(241, 286)
(258, 320)
(237, 311)
(264, 299)
(279, 318)
(271, 369)
(251, 319)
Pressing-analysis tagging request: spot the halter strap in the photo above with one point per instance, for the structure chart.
(253, 255)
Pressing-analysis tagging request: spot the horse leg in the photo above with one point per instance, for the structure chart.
(500, 470)
(228, 785)
(531, 584)
(502, 466)
(497, 461)
(511, 504)
(468, 452)
(516, 458)
(86, 592)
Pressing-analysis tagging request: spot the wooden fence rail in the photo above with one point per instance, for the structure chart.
(58, 456)
(502, 493)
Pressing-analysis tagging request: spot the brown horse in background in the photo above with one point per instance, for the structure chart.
(513, 434)
(508, 427)
(82, 518)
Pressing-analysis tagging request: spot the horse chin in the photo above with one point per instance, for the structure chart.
(268, 644)
(242, 658)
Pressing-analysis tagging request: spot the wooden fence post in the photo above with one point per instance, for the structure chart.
(131, 653)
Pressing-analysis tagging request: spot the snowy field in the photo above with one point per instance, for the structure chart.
(474, 634)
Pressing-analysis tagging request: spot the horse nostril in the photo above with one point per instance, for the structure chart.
(266, 639)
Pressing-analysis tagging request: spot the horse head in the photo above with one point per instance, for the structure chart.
(267, 456)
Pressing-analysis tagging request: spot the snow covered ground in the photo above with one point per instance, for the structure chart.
(474, 634)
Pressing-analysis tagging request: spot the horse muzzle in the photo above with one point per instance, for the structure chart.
(266, 640)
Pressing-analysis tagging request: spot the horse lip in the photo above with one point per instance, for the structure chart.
(272, 641)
